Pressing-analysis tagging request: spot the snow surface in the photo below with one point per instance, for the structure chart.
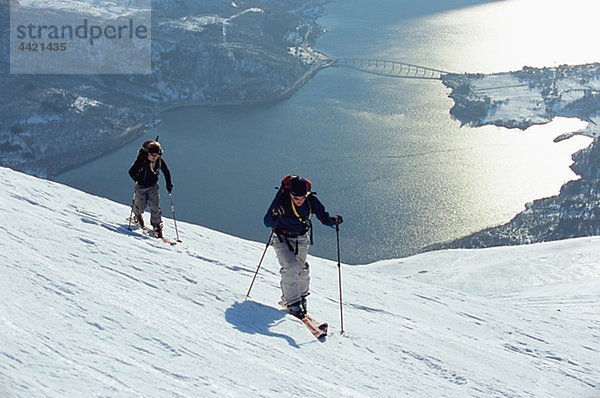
(83, 103)
(520, 101)
(96, 8)
(198, 23)
(88, 308)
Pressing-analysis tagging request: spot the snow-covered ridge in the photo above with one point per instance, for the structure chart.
(206, 52)
(521, 99)
(89, 308)
(101, 9)
(530, 96)
(198, 23)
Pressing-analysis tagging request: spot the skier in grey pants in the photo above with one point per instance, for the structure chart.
(145, 171)
(289, 216)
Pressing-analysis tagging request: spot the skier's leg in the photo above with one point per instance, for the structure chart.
(154, 204)
(302, 265)
(289, 271)
(140, 200)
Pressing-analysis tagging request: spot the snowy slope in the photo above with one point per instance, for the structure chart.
(94, 8)
(88, 308)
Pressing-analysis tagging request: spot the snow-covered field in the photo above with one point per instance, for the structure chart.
(88, 308)
(530, 96)
(96, 8)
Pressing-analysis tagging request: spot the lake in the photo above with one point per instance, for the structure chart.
(382, 151)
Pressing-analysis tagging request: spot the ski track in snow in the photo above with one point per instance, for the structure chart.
(89, 308)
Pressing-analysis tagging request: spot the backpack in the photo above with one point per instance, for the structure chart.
(146, 145)
(143, 153)
(284, 188)
(286, 183)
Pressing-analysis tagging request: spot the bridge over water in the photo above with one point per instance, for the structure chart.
(389, 68)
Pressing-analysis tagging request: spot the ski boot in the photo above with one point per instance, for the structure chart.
(297, 310)
(304, 304)
(139, 220)
(158, 231)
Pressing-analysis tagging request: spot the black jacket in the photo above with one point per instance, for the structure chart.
(295, 223)
(146, 174)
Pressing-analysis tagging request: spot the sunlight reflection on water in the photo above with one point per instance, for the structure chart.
(384, 152)
(507, 35)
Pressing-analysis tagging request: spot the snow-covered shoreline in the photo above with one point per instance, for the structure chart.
(521, 99)
(208, 53)
(529, 96)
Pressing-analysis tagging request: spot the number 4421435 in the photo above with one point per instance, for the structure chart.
(35, 46)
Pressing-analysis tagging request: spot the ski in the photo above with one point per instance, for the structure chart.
(318, 329)
(150, 232)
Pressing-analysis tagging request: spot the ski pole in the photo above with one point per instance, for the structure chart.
(260, 262)
(173, 212)
(132, 204)
(337, 234)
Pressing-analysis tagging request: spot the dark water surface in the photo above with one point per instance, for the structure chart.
(383, 152)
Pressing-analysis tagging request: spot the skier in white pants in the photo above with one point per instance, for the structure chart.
(289, 216)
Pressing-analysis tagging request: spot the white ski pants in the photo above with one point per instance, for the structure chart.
(295, 273)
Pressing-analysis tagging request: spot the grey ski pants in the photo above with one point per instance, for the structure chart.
(148, 197)
(295, 272)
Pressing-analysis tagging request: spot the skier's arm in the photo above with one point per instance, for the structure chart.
(167, 173)
(270, 219)
(319, 210)
(136, 167)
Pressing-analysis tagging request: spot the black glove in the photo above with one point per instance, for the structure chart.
(337, 220)
(278, 211)
(169, 188)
